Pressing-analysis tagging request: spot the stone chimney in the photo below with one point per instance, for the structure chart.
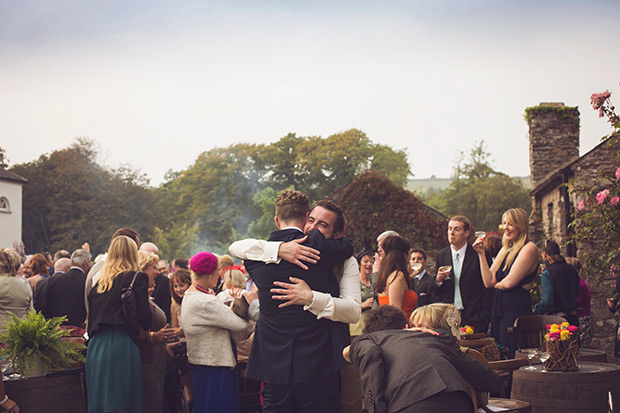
(554, 138)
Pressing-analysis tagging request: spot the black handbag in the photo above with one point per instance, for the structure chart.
(128, 304)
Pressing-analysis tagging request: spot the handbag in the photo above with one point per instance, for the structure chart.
(128, 305)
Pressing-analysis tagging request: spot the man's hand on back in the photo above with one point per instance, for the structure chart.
(295, 253)
(297, 293)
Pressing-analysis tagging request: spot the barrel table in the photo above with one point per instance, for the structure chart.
(589, 354)
(62, 393)
(589, 390)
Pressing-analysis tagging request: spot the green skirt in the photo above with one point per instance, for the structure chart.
(113, 372)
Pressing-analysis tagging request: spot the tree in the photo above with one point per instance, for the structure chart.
(481, 193)
(4, 162)
(373, 204)
(71, 199)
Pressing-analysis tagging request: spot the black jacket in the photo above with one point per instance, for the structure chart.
(105, 308)
(64, 296)
(291, 345)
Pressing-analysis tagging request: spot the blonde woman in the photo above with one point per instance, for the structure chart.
(233, 280)
(113, 368)
(512, 275)
(438, 316)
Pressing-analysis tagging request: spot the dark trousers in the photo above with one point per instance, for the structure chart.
(445, 402)
(320, 395)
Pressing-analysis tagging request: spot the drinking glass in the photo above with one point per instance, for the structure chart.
(480, 234)
(445, 268)
(543, 356)
(530, 353)
(416, 266)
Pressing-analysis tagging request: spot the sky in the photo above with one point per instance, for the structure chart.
(155, 83)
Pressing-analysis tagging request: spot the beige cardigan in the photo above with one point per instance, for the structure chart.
(208, 325)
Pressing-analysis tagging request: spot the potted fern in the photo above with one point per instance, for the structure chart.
(35, 345)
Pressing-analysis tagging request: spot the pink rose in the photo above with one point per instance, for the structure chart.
(580, 205)
(618, 173)
(572, 329)
(555, 335)
(599, 99)
(613, 201)
(601, 196)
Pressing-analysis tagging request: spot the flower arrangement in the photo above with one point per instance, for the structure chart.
(562, 344)
(467, 330)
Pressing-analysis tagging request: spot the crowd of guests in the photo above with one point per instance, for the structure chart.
(290, 309)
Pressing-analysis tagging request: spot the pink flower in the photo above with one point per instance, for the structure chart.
(618, 173)
(601, 196)
(613, 201)
(601, 113)
(572, 329)
(598, 99)
(580, 205)
(556, 335)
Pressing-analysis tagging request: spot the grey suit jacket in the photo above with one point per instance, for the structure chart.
(400, 368)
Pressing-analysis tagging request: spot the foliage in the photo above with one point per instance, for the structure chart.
(4, 162)
(229, 192)
(265, 225)
(35, 335)
(567, 113)
(373, 204)
(480, 193)
(597, 219)
(71, 199)
(179, 241)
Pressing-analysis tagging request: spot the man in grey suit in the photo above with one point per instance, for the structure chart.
(415, 371)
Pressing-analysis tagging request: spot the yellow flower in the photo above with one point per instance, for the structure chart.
(565, 325)
(564, 335)
(554, 327)
(469, 330)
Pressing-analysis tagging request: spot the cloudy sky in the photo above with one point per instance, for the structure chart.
(157, 82)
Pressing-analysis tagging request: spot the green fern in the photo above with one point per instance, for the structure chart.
(35, 335)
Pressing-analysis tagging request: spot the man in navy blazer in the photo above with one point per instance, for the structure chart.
(292, 351)
(471, 296)
(64, 294)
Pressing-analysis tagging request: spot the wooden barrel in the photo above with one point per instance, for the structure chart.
(584, 391)
(55, 394)
(588, 354)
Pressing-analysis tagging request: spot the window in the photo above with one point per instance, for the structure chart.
(4, 205)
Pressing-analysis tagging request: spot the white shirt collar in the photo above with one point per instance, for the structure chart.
(298, 229)
(77, 268)
(420, 275)
(460, 252)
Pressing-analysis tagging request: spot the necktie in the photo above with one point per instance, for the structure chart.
(456, 267)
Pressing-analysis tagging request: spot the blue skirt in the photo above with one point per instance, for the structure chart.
(113, 372)
(216, 389)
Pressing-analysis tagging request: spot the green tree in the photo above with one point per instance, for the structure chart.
(263, 226)
(481, 193)
(71, 199)
(4, 162)
(373, 204)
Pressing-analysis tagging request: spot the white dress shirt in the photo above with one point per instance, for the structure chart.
(347, 308)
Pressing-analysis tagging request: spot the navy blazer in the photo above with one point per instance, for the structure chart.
(64, 296)
(476, 298)
(291, 345)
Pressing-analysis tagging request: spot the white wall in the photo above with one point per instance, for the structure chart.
(11, 223)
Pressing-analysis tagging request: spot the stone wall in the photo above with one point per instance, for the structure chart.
(554, 138)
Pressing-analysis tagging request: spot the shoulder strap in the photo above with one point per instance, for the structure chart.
(134, 279)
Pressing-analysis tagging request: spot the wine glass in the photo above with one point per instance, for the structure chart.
(542, 356)
(530, 353)
(445, 268)
(416, 266)
(480, 234)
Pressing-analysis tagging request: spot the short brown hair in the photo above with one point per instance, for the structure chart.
(330, 205)
(292, 205)
(386, 317)
(464, 220)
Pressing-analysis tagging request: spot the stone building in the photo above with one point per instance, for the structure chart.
(554, 164)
